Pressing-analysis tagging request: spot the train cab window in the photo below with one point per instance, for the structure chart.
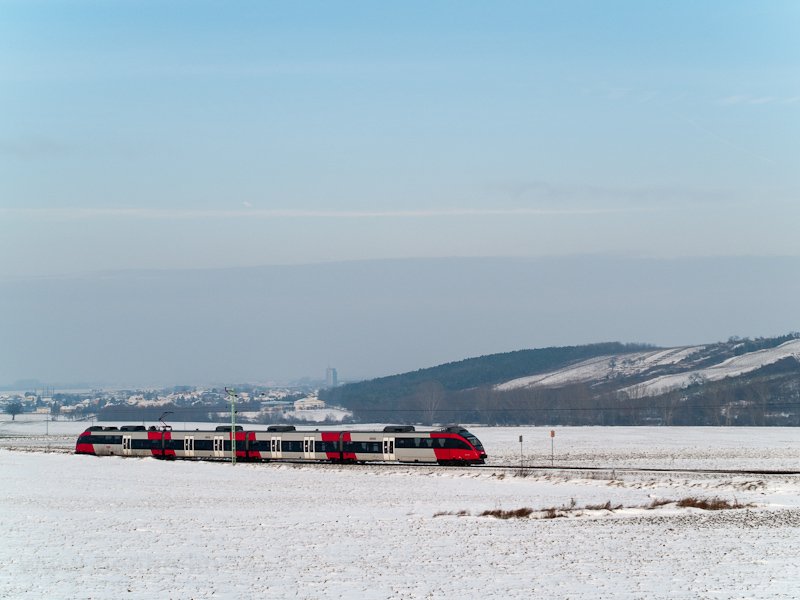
(472, 439)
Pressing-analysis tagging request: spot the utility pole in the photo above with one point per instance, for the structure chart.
(232, 395)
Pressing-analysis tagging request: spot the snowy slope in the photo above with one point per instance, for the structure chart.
(607, 368)
(603, 368)
(732, 367)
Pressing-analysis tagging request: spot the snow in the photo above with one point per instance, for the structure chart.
(626, 365)
(732, 367)
(84, 527)
(603, 367)
(318, 415)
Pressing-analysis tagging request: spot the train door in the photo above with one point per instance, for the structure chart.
(308, 447)
(188, 445)
(275, 447)
(388, 449)
(219, 446)
(126, 445)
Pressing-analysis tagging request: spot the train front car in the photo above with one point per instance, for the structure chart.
(454, 445)
(126, 440)
(85, 443)
(100, 441)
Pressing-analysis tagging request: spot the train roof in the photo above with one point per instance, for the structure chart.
(396, 429)
(452, 429)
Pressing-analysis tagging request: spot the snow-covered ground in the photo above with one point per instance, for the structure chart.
(84, 527)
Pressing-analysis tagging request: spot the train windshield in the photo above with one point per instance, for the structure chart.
(472, 439)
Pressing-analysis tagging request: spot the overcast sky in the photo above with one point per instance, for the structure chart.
(173, 135)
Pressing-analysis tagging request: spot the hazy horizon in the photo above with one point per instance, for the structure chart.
(374, 318)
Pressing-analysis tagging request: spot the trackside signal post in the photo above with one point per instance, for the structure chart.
(232, 396)
(552, 450)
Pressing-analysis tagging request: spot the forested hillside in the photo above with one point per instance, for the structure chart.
(738, 382)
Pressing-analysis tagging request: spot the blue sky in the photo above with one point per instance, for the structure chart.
(199, 134)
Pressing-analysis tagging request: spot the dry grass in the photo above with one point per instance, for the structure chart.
(564, 511)
(498, 513)
(606, 506)
(449, 513)
(710, 503)
(658, 502)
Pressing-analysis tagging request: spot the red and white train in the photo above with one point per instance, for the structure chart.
(451, 445)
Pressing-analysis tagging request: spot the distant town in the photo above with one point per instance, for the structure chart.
(253, 403)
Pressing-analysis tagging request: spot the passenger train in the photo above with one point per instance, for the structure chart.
(452, 445)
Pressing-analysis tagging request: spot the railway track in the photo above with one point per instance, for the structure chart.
(731, 472)
(58, 447)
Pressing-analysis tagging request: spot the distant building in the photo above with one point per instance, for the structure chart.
(331, 377)
(276, 407)
(310, 403)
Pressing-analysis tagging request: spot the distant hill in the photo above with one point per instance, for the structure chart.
(738, 382)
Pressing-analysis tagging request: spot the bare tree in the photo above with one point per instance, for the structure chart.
(429, 398)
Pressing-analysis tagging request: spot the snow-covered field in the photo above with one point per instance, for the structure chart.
(84, 527)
